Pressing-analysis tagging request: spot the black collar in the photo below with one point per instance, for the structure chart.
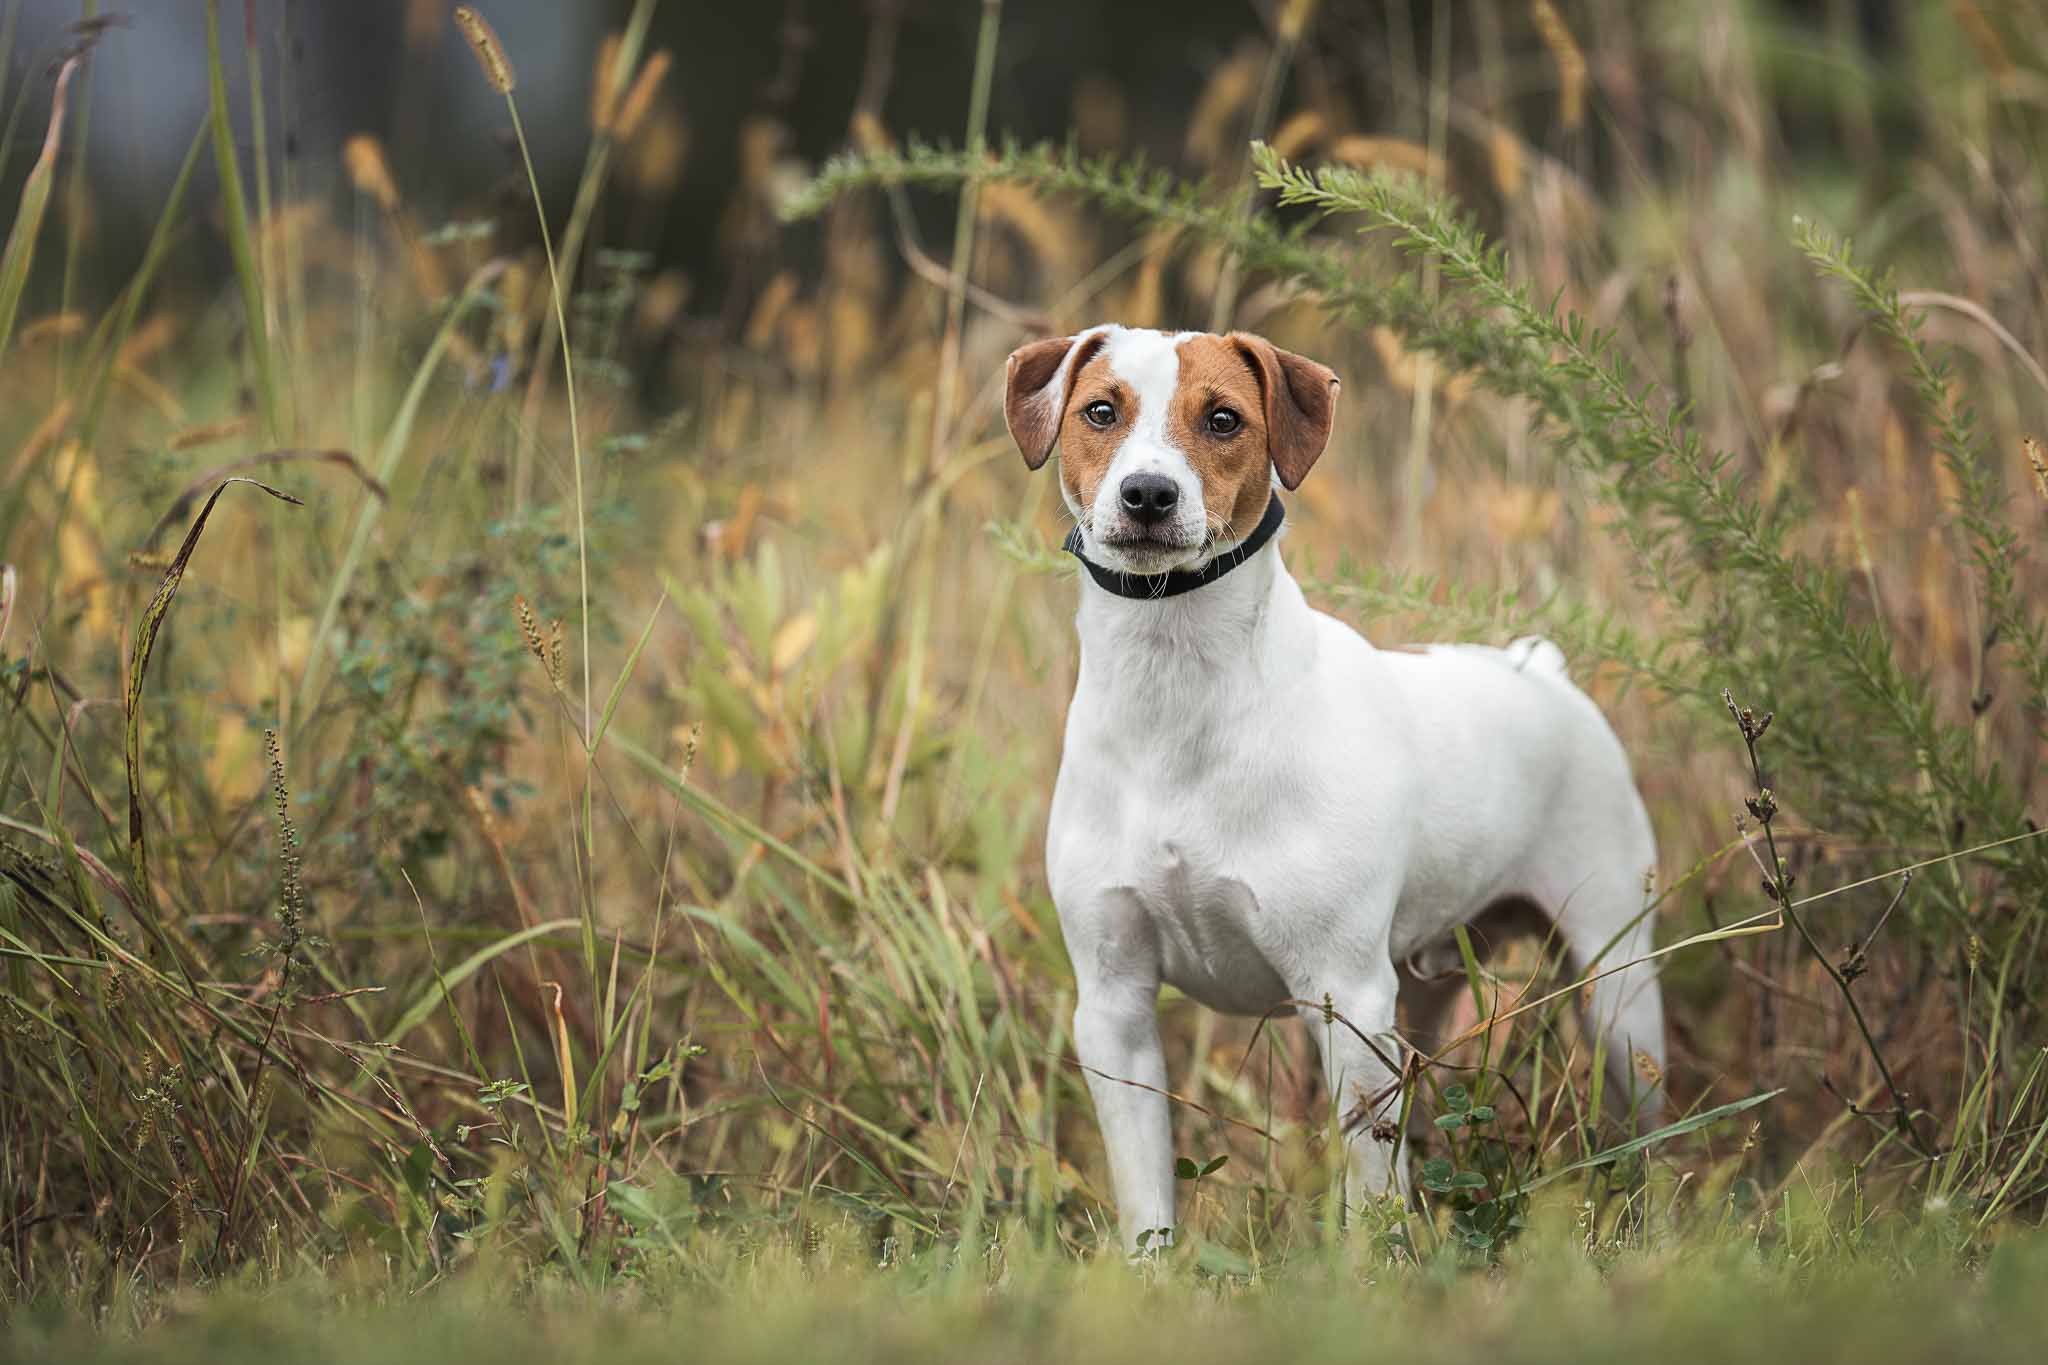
(1149, 586)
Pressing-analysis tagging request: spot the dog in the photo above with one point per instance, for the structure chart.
(1260, 808)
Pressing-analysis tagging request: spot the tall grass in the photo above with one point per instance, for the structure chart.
(736, 971)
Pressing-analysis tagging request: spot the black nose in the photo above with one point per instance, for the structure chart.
(1148, 498)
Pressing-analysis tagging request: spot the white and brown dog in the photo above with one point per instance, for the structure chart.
(1256, 805)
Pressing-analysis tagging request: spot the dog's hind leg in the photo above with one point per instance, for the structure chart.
(1605, 920)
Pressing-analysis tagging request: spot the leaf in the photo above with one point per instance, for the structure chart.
(633, 1204)
(1218, 1260)
(565, 1056)
(1649, 1140)
(1448, 1121)
(183, 502)
(1482, 1113)
(1184, 1168)
(1458, 1098)
(138, 668)
(1215, 1164)
(418, 1163)
(28, 219)
(1437, 1168)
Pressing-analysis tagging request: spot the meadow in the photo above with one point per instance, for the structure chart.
(523, 763)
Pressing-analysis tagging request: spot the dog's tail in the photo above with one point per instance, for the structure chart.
(1534, 654)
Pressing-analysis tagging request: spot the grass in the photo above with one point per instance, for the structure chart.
(480, 988)
(834, 1304)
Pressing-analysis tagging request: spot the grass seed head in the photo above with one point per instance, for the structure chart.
(490, 53)
(1294, 19)
(529, 627)
(640, 98)
(604, 86)
(1571, 61)
(291, 912)
(363, 157)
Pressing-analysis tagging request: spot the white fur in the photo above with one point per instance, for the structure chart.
(1258, 807)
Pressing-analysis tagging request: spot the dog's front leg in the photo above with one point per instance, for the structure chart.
(1362, 1066)
(1116, 1033)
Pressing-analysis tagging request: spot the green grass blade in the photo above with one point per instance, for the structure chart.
(138, 670)
(28, 219)
(235, 208)
(418, 1012)
(611, 703)
(1648, 1140)
(476, 1062)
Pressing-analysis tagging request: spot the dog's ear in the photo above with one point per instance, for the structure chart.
(1036, 396)
(1300, 398)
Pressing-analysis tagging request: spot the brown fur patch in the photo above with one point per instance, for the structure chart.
(1085, 452)
(1234, 468)
(1033, 396)
(1300, 398)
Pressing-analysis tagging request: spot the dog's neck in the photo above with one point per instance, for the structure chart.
(1237, 623)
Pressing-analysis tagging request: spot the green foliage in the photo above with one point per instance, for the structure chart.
(1480, 1182)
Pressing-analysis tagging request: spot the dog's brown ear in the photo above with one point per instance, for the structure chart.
(1300, 398)
(1036, 397)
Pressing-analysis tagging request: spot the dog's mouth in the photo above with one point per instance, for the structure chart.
(1144, 541)
(1149, 551)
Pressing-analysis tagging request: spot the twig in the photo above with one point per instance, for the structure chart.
(1854, 965)
(1778, 886)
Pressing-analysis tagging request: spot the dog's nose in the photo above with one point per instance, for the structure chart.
(1148, 498)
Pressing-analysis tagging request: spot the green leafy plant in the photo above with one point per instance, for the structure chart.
(1480, 1182)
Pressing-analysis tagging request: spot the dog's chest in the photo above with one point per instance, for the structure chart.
(1215, 943)
(1190, 818)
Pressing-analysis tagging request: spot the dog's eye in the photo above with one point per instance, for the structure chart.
(1223, 422)
(1100, 413)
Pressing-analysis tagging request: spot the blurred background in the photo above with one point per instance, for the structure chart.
(784, 80)
(783, 549)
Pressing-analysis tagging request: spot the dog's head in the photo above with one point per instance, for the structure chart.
(1169, 442)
